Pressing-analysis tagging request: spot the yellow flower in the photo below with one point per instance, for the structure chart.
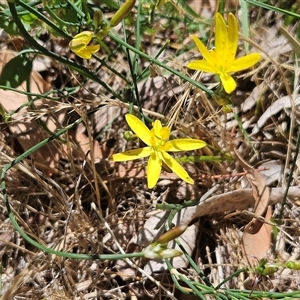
(158, 144)
(79, 45)
(222, 59)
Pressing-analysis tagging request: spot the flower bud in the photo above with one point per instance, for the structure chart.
(129, 135)
(160, 251)
(267, 270)
(264, 268)
(102, 32)
(294, 265)
(169, 253)
(122, 12)
(29, 18)
(98, 18)
(171, 234)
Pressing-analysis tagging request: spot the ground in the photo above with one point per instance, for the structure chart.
(65, 203)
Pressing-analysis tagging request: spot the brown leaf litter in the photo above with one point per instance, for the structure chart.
(231, 210)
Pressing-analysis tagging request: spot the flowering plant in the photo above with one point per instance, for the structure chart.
(222, 60)
(158, 146)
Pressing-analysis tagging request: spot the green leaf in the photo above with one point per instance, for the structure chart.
(71, 16)
(9, 26)
(29, 18)
(111, 4)
(16, 71)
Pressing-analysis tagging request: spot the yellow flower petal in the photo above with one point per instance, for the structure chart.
(165, 133)
(153, 169)
(232, 40)
(83, 53)
(160, 133)
(203, 50)
(139, 128)
(93, 48)
(84, 37)
(157, 149)
(157, 127)
(228, 83)
(176, 167)
(221, 38)
(76, 45)
(245, 62)
(132, 154)
(202, 65)
(184, 145)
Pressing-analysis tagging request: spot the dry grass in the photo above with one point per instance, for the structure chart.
(53, 206)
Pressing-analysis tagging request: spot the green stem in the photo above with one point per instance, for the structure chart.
(245, 133)
(290, 179)
(177, 207)
(79, 12)
(44, 19)
(146, 70)
(133, 67)
(274, 8)
(186, 159)
(190, 284)
(80, 69)
(161, 64)
(41, 96)
(19, 229)
(230, 277)
(61, 22)
(194, 265)
(178, 286)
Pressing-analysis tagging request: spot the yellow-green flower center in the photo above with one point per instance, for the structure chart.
(158, 143)
(160, 135)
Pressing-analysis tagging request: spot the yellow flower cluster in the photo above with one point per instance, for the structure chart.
(221, 61)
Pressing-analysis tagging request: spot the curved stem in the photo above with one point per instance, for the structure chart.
(19, 229)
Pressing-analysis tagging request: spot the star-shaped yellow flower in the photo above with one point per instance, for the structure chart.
(158, 146)
(79, 45)
(222, 59)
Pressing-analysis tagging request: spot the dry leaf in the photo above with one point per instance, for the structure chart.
(273, 109)
(84, 146)
(271, 171)
(29, 132)
(256, 246)
(23, 127)
(293, 41)
(256, 232)
(261, 194)
(237, 200)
